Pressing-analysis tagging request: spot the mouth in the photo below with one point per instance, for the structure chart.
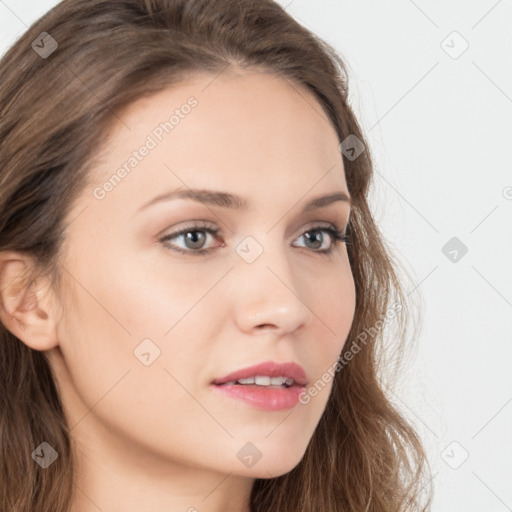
(267, 386)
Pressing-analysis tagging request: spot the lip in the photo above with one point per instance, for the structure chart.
(289, 370)
(259, 397)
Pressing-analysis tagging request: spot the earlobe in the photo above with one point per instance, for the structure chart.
(26, 307)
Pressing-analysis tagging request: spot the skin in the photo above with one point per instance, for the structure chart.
(158, 437)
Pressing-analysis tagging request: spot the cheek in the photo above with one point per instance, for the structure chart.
(140, 308)
(121, 311)
(336, 296)
(334, 309)
(334, 313)
(150, 298)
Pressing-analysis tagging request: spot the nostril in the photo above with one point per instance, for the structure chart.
(263, 326)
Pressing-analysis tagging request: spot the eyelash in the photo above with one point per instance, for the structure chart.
(335, 234)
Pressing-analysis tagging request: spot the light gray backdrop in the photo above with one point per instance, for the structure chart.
(431, 82)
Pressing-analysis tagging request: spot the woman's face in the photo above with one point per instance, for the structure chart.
(145, 328)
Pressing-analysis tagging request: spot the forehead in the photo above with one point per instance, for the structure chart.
(242, 129)
(254, 104)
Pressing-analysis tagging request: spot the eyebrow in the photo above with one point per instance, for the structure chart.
(227, 200)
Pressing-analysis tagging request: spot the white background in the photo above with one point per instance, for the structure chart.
(439, 127)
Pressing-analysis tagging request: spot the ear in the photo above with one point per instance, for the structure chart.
(27, 308)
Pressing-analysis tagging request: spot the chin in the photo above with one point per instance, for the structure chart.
(271, 465)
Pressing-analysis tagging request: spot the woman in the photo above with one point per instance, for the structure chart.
(193, 288)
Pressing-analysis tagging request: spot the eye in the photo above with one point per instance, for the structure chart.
(195, 237)
(335, 236)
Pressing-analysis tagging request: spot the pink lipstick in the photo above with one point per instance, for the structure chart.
(267, 386)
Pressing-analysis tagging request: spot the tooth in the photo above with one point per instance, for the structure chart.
(262, 380)
(249, 380)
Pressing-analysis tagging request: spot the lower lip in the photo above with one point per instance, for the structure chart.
(259, 397)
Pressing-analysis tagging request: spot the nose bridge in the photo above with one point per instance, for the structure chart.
(268, 292)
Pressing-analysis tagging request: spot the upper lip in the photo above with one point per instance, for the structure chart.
(289, 370)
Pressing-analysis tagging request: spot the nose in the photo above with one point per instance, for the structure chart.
(269, 296)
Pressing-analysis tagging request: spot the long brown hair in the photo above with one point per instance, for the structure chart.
(56, 110)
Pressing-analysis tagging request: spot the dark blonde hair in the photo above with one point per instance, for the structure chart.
(57, 111)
